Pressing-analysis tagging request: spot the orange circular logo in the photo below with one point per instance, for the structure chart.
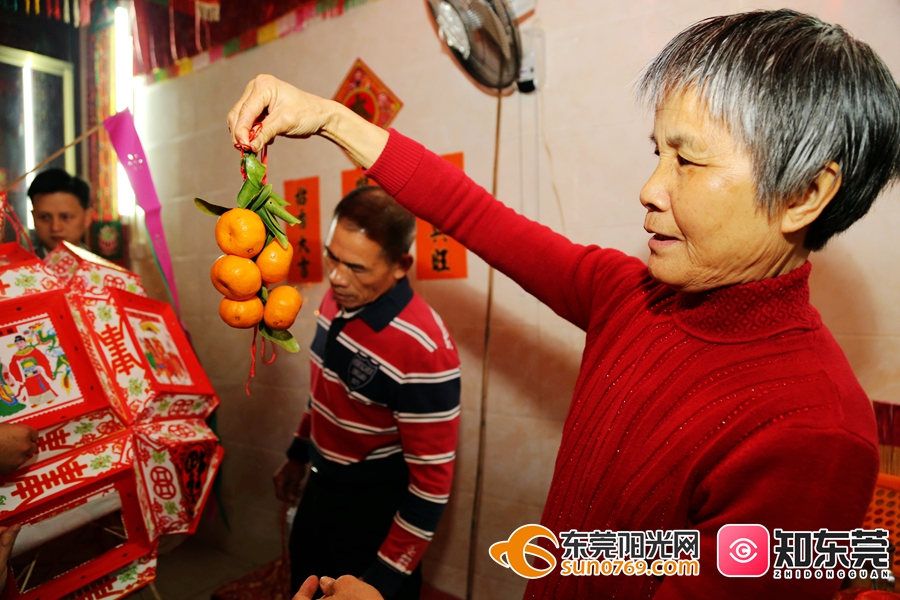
(513, 553)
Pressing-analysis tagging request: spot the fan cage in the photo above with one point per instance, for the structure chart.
(495, 57)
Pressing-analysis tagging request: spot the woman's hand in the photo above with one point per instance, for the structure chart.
(291, 112)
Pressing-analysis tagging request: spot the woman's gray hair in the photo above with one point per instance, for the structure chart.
(797, 94)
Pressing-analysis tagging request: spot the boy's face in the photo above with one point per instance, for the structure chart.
(59, 216)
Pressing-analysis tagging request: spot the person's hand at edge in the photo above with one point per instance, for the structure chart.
(291, 112)
(308, 589)
(18, 443)
(290, 481)
(7, 540)
(347, 587)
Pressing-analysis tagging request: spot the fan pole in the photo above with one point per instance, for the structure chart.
(485, 364)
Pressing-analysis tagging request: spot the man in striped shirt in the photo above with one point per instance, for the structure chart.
(380, 428)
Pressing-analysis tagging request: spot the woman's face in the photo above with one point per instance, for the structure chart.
(701, 206)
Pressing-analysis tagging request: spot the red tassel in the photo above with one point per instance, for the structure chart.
(252, 362)
(267, 362)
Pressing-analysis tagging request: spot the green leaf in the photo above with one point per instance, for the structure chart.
(278, 211)
(279, 200)
(273, 226)
(254, 169)
(260, 198)
(282, 337)
(249, 190)
(264, 294)
(211, 209)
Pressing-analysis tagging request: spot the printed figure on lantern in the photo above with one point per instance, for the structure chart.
(166, 365)
(31, 367)
(9, 404)
(62, 371)
(157, 345)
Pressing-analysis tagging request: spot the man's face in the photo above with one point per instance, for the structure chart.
(59, 216)
(358, 270)
(20, 344)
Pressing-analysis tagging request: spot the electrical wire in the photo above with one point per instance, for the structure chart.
(485, 377)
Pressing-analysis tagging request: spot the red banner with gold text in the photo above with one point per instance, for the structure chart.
(306, 238)
(439, 256)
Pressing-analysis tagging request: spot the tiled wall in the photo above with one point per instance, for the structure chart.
(581, 138)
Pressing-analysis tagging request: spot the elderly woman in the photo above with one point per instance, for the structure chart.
(710, 392)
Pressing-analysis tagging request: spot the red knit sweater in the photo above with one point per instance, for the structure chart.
(734, 406)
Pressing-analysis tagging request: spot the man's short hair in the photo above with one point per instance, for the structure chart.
(57, 180)
(380, 218)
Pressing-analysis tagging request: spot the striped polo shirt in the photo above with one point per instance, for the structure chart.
(384, 404)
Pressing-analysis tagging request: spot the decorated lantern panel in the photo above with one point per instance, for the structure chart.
(46, 376)
(154, 371)
(89, 274)
(89, 308)
(75, 434)
(25, 277)
(80, 518)
(121, 582)
(178, 385)
(178, 460)
(128, 382)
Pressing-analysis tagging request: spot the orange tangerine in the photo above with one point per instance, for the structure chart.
(236, 278)
(241, 313)
(240, 232)
(282, 307)
(274, 262)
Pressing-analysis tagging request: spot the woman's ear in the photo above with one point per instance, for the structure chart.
(806, 208)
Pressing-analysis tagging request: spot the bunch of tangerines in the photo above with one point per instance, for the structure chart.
(257, 254)
(247, 264)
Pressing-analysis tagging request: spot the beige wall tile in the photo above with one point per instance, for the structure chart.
(488, 588)
(450, 546)
(519, 456)
(874, 361)
(445, 578)
(497, 520)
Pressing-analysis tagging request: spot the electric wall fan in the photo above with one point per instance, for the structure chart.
(483, 37)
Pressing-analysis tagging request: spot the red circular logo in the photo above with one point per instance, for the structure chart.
(163, 483)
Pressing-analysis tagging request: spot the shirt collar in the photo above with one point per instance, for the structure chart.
(383, 310)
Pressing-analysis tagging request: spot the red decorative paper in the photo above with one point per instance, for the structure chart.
(118, 396)
(306, 238)
(46, 376)
(439, 256)
(366, 95)
(42, 492)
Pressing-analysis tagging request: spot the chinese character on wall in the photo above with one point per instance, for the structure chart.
(439, 256)
(306, 238)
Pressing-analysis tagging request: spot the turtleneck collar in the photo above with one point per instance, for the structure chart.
(750, 311)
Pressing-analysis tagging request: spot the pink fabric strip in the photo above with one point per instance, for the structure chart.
(128, 147)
